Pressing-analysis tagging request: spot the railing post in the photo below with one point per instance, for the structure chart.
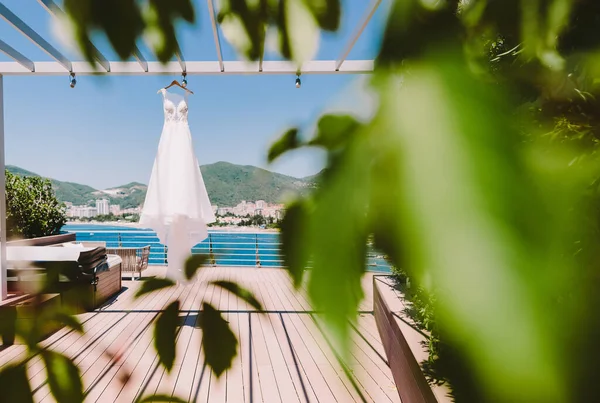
(119, 239)
(3, 262)
(166, 250)
(256, 247)
(211, 259)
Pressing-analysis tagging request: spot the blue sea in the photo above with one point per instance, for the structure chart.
(228, 248)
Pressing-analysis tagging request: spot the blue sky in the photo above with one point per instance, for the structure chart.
(105, 132)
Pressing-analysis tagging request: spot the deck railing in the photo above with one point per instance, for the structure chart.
(224, 248)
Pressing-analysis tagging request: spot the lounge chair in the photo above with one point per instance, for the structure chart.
(135, 260)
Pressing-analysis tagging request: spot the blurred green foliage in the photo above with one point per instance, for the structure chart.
(32, 209)
(477, 176)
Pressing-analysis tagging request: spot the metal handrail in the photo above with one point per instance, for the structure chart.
(224, 247)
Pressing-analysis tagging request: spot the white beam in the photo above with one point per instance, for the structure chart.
(140, 59)
(16, 55)
(180, 59)
(357, 33)
(213, 21)
(193, 68)
(3, 263)
(56, 11)
(27, 31)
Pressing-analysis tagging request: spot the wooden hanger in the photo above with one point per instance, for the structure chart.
(175, 82)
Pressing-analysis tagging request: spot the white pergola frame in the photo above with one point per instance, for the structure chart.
(22, 66)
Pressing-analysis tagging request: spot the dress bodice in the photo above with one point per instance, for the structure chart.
(175, 107)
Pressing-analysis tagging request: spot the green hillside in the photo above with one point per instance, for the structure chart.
(227, 184)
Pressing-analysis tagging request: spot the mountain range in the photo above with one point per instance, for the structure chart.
(227, 185)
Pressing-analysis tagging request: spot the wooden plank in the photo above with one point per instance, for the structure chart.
(98, 364)
(121, 341)
(365, 371)
(296, 372)
(315, 346)
(202, 373)
(97, 344)
(144, 360)
(163, 381)
(285, 384)
(324, 357)
(59, 341)
(374, 377)
(235, 380)
(282, 356)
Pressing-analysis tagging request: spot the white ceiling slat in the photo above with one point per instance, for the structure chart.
(16, 55)
(54, 10)
(27, 31)
(23, 66)
(180, 59)
(357, 33)
(193, 68)
(140, 59)
(215, 29)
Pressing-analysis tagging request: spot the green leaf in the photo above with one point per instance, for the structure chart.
(294, 238)
(334, 131)
(121, 22)
(326, 12)
(235, 33)
(244, 25)
(339, 256)
(64, 377)
(15, 384)
(153, 284)
(287, 142)
(192, 264)
(218, 341)
(239, 292)
(165, 332)
(299, 31)
(163, 398)
(162, 19)
(476, 226)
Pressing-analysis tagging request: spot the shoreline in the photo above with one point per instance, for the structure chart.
(232, 228)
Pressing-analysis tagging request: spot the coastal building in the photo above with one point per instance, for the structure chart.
(115, 209)
(82, 212)
(224, 210)
(245, 208)
(102, 207)
(133, 210)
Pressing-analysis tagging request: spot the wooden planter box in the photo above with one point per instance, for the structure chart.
(82, 297)
(403, 346)
(26, 313)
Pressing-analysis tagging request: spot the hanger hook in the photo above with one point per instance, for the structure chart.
(72, 80)
(184, 79)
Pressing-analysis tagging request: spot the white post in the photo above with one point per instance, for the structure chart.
(3, 264)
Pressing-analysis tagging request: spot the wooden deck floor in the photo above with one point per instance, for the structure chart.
(283, 355)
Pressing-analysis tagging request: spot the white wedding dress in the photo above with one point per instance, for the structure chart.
(177, 206)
